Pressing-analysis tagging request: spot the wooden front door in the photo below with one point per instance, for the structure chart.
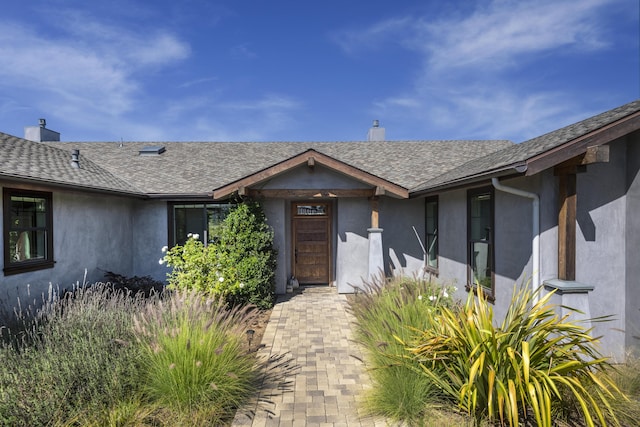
(312, 243)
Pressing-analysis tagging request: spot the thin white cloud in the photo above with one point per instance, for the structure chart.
(130, 49)
(506, 31)
(372, 37)
(243, 51)
(473, 81)
(61, 72)
(197, 82)
(84, 69)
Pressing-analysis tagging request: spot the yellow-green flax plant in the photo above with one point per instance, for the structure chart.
(520, 370)
(193, 355)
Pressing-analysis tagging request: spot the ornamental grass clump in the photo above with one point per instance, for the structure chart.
(528, 369)
(193, 360)
(389, 308)
(76, 356)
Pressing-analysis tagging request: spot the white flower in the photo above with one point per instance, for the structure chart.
(241, 285)
(420, 297)
(455, 289)
(432, 298)
(165, 248)
(189, 235)
(221, 279)
(161, 261)
(196, 236)
(445, 294)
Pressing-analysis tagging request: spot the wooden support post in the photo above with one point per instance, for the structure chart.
(374, 212)
(567, 227)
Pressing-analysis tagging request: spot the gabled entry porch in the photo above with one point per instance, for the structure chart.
(325, 218)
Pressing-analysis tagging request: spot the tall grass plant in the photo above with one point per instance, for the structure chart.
(193, 359)
(390, 308)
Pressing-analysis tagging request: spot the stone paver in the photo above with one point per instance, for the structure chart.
(314, 327)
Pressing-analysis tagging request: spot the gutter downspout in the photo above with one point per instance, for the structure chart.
(535, 244)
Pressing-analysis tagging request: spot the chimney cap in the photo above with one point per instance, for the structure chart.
(376, 123)
(43, 123)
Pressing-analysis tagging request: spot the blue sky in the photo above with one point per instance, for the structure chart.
(241, 70)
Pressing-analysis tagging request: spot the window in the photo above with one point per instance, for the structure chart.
(480, 238)
(200, 218)
(431, 227)
(28, 231)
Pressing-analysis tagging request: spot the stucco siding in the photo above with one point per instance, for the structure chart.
(353, 218)
(600, 237)
(304, 177)
(90, 231)
(452, 240)
(150, 233)
(632, 243)
(513, 239)
(402, 252)
(275, 211)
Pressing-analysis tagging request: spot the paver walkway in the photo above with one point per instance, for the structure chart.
(313, 325)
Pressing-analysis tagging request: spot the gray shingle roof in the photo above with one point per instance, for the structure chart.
(519, 153)
(41, 162)
(192, 168)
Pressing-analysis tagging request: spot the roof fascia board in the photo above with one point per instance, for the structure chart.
(48, 183)
(512, 171)
(579, 145)
(311, 157)
(180, 196)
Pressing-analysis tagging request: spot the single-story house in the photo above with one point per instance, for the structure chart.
(556, 210)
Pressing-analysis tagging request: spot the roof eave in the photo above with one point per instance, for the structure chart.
(512, 170)
(578, 146)
(311, 158)
(66, 185)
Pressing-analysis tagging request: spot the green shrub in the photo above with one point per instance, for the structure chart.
(248, 242)
(196, 267)
(75, 357)
(522, 369)
(192, 358)
(240, 266)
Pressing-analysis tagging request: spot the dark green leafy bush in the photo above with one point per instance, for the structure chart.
(240, 266)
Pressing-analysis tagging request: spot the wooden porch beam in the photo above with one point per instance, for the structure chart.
(597, 154)
(375, 223)
(567, 227)
(310, 193)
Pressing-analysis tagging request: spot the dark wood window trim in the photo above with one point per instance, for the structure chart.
(431, 235)
(171, 238)
(16, 267)
(489, 238)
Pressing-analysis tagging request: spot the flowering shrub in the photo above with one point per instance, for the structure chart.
(200, 268)
(240, 266)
